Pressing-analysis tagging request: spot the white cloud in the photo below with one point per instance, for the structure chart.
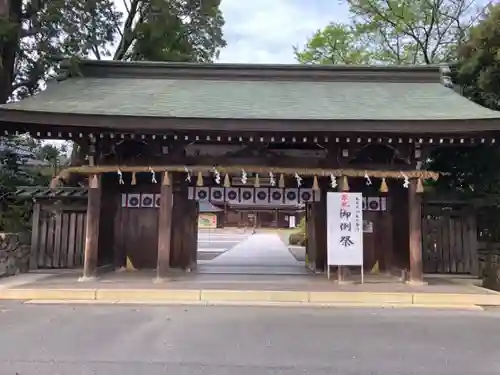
(264, 31)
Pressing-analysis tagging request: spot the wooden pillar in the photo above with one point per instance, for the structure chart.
(164, 226)
(189, 243)
(310, 244)
(194, 233)
(320, 228)
(180, 210)
(415, 233)
(92, 232)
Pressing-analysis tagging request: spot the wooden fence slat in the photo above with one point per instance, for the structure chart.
(466, 245)
(42, 247)
(473, 243)
(35, 237)
(72, 239)
(49, 250)
(452, 255)
(441, 246)
(426, 241)
(63, 263)
(461, 250)
(57, 240)
(80, 235)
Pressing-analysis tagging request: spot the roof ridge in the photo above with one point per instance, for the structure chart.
(299, 72)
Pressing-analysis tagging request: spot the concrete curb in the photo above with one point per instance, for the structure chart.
(251, 297)
(253, 304)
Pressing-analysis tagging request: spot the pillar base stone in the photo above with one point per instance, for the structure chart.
(86, 279)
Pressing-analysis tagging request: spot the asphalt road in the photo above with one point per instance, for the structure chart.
(195, 340)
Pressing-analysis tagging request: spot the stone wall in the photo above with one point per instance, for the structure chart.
(14, 253)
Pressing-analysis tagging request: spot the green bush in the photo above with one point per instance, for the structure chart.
(297, 238)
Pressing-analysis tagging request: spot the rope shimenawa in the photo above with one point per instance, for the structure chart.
(397, 174)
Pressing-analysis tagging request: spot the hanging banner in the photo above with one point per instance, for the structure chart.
(345, 229)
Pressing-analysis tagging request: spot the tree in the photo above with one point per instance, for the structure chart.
(335, 44)
(414, 31)
(34, 34)
(18, 167)
(478, 73)
(159, 30)
(395, 32)
(478, 69)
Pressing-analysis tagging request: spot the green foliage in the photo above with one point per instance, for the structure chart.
(479, 61)
(35, 34)
(297, 238)
(302, 223)
(45, 31)
(335, 44)
(17, 155)
(300, 236)
(467, 170)
(160, 30)
(413, 32)
(394, 32)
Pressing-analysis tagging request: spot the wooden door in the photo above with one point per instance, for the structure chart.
(136, 236)
(377, 240)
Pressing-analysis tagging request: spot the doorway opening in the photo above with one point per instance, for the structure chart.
(248, 233)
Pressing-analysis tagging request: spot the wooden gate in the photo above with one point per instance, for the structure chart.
(449, 239)
(58, 239)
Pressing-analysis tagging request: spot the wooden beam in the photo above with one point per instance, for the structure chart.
(164, 226)
(415, 233)
(92, 232)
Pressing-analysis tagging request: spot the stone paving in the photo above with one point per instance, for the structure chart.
(265, 249)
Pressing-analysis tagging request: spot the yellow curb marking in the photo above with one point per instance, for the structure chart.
(253, 297)
(253, 303)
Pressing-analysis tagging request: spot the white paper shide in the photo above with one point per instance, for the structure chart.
(345, 229)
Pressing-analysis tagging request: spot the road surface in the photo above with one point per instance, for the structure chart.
(195, 340)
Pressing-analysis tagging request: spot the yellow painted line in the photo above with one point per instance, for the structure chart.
(147, 295)
(460, 299)
(48, 294)
(252, 304)
(451, 307)
(68, 302)
(361, 297)
(254, 295)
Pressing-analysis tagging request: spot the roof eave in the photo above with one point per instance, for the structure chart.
(34, 121)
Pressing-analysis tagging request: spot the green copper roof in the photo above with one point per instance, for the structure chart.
(357, 93)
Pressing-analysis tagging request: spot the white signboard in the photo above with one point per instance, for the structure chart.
(345, 229)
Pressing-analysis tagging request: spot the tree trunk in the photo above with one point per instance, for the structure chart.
(10, 16)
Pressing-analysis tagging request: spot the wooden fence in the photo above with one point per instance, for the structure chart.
(58, 237)
(449, 233)
(449, 240)
(483, 251)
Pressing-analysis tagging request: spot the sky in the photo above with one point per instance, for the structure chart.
(265, 31)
